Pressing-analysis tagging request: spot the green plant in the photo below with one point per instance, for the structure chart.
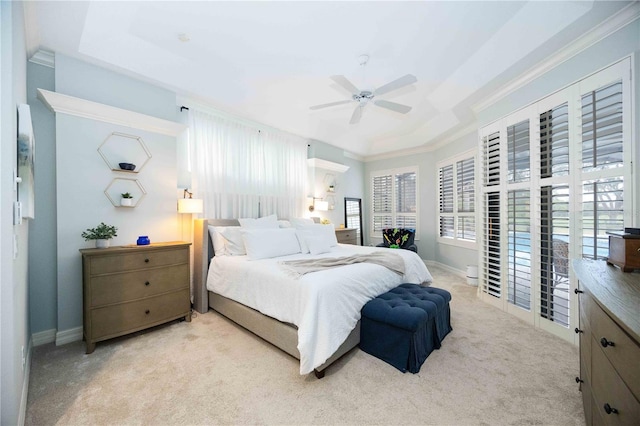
(100, 232)
(127, 195)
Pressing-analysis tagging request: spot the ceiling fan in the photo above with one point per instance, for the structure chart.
(364, 97)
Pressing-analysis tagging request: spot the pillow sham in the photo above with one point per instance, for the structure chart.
(325, 232)
(318, 245)
(284, 224)
(268, 243)
(234, 244)
(270, 221)
(301, 222)
(218, 241)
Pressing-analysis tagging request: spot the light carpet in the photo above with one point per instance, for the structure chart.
(491, 370)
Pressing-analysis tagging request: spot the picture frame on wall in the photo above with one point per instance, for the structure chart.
(26, 145)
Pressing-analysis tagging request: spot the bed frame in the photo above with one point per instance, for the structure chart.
(280, 334)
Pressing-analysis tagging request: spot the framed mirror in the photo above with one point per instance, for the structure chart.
(353, 216)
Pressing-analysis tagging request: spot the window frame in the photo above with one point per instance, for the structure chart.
(393, 172)
(453, 161)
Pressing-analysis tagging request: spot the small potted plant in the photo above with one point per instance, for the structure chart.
(101, 233)
(126, 200)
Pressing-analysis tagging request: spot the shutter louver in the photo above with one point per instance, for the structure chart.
(518, 152)
(382, 202)
(491, 156)
(602, 211)
(491, 250)
(554, 142)
(602, 128)
(519, 290)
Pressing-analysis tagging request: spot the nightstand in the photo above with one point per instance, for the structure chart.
(130, 288)
(347, 236)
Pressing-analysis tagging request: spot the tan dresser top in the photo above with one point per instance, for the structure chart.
(617, 292)
(131, 247)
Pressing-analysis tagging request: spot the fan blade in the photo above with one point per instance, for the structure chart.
(402, 109)
(342, 81)
(396, 84)
(357, 114)
(331, 104)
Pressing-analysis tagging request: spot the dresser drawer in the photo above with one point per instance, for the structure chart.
(624, 352)
(347, 236)
(116, 288)
(587, 399)
(133, 260)
(116, 319)
(609, 390)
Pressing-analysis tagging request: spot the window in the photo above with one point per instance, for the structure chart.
(394, 199)
(555, 179)
(456, 207)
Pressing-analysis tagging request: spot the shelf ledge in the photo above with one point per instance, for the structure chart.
(319, 163)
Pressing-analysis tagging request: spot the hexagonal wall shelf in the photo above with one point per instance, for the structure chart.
(122, 148)
(119, 186)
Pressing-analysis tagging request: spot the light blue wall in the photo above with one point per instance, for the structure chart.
(42, 236)
(14, 321)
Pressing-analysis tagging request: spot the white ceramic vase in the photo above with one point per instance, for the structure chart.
(127, 202)
(101, 243)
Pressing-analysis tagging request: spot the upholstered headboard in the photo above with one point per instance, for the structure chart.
(202, 254)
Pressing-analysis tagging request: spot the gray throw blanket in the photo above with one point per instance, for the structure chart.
(303, 266)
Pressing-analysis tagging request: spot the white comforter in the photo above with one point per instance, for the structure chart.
(324, 305)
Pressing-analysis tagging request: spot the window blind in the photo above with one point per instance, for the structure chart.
(491, 156)
(395, 200)
(554, 142)
(602, 211)
(382, 202)
(491, 283)
(518, 152)
(519, 248)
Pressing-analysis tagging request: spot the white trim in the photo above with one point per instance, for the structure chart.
(44, 337)
(68, 336)
(458, 272)
(615, 22)
(353, 156)
(22, 414)
(42, 57)
(59, 103)
(319, 163)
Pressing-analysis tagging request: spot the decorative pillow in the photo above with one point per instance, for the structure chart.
(398, 237)
(284, 224)
(318, 245)
(219, 244)
(234, 244)
(301, 222)
(267, 243)
(325, 232)
(265, 222)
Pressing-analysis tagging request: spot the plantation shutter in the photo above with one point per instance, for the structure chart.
(554, 142)
(465, 180)
(406, 200)
(491, 245)
(518, 152)
(519, 248)
(446, 201)
(382, 203)
(602, 211)
(491, 155)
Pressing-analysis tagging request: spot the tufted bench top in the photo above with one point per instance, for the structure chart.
(407, 306)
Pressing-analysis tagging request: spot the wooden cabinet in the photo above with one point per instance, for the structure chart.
(609, 343)
(624, 251)
(347, 236)
(130, 288)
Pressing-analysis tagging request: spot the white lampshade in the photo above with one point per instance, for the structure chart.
(322, 206)
(190, 205)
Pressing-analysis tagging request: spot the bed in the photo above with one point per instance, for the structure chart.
(314, 316)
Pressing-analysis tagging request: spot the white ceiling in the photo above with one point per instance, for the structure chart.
(270, 61)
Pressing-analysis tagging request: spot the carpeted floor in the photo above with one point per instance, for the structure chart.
(491, 370)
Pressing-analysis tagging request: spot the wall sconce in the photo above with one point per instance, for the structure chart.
(190, 205)
(318, 205)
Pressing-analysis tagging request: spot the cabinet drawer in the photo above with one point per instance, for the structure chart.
(586, 399)
(609, 389)
(347, 237)
(114, 320)
(116, 288)
(132, 261)
(625, 352)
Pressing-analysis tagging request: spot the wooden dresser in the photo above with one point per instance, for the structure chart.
(347, 236)
(609, 329)
(130, 288)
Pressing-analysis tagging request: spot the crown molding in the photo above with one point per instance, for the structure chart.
(43, 57)
(59, 103)
(349, 154)
(615, 22)
(424, 148)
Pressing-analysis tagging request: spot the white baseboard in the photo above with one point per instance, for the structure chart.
(44, 337)
(68, 336)
(25, 385)
(451, 269)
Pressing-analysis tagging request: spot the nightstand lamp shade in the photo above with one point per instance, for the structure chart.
(190, 205)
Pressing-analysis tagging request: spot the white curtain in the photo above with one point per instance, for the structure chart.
(242, 171)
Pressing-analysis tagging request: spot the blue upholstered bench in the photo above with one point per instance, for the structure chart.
(404, 325)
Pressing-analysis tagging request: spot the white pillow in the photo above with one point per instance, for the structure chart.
(301, 222)
(234, 244)
(329, 232)
(302, 239)
(267, 243)
(270, 221)
(219, 244)
(318, 245)
(326, 232)
(284, 224)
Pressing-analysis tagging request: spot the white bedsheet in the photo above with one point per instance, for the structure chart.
(324, 305)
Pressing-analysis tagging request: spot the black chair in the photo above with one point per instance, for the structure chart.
(399, 238)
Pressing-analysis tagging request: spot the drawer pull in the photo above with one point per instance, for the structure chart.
(579, 380)
(609, 409)
(146, 261)
(147, 312)
(576, 291)
(604, 342)
(577, 330)
(147, 283)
